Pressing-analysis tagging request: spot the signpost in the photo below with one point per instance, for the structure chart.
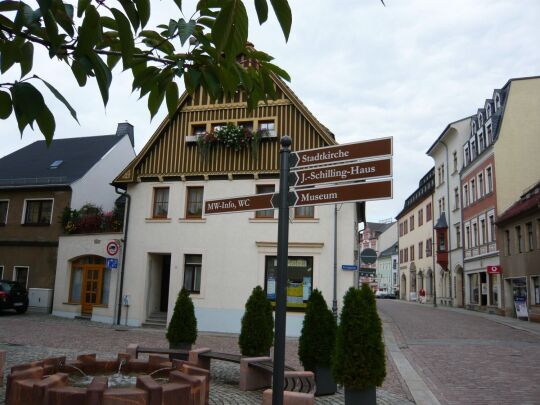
(335, 174)
(112, 248)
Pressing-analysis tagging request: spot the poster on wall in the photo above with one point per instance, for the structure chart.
(307, 288)
(484, 289)
(521, 307)
(271, 288)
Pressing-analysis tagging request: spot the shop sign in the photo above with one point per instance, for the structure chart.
(494, 269)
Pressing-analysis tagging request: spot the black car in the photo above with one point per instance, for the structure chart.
(13, 296)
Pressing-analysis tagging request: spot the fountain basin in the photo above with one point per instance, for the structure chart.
(125, 380)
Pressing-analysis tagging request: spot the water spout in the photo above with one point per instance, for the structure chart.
(161, 369)
(76, 368)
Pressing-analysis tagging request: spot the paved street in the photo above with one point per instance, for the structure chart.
(34, 336)
(467, 358)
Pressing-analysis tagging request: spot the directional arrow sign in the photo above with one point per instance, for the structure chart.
(376, 190)
(340, 173)
(237, 204)
(338, 153)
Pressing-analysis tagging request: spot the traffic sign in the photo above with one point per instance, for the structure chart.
(112, 248)
(111, 263)
(238, 204)
(341, 173)
(368, 256)
(375, 190)
(340, 153)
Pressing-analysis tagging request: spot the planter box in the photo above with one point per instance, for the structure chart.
(193, 138)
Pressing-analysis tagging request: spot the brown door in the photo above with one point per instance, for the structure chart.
(91, 291)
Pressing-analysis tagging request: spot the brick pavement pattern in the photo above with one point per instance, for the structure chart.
(35, 336)
(466, 359)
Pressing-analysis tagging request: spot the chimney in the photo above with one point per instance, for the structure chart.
(125, 128)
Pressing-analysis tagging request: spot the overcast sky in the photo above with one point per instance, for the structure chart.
(366, 71)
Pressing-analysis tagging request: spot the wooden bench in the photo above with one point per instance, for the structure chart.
(181, 354)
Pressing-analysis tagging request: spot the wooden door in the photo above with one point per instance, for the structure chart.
(91, 291)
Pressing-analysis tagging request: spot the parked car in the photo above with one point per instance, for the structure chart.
(13, 296)
(380, 294)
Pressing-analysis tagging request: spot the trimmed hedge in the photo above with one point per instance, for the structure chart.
(257, 334)
(183, 325)
(359, 359)
(317, 339)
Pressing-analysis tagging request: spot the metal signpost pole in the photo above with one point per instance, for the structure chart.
(281, 279)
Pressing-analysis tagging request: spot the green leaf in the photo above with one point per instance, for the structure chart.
(8, 55)
(103, 76)
(28, 99)
(52, 32)
(172, 98)
(44, 5)
(230, 30)
(179, 4)
(126, 37)
(60, 97)
(185, 29)
(90, 31)
(211, 83)
(131, 12)
(171, 28)
(262, 10)
(278, 71)
(27, 58)
(154, 100)
(46, 124)
(192, 79)
(9, 6)
(143, 7)
(284, 15)
(112, 61)
(23, 17)
(109, 22)
(79, 72)
(81, 6)
(6, 106)
(22, 120)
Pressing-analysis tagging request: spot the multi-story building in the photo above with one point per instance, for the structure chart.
(37, 182)
(415, 241)
(219, 259)
(446, 151)
(387, 261)
(369, 239)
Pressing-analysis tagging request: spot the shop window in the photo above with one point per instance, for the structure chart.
(194, 202)
(3, 211)
(38, 212)
(304, 212)
(299, 280)
(20, 275)
(530, 238)
(474, 283)
(192, 273)
(535, 281)
(263, 189)
(494, 289)
(161, 202)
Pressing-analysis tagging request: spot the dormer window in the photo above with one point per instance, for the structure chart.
(489, 131)
(497, 101)
(488, 111)
(473, 127)
(54, 165)
(466, 156)
(481, 142)
(473, 149)
(480, 120)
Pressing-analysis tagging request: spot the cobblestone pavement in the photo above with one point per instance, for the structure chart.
(464, 358)
(34, 336)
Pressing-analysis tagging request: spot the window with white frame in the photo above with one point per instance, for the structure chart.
(530, 236)
(489, 179)
(467, 237)
(466, 155)
(458, 235)
(481, 142)
(473, 149)
(480, 185)
(456, 198)
(4, 205)
(455, 161)
(475, 234)
(38, 212)
(465, 195)
(488, 110)
(483, 234)
(20, 275)
(473, 190)
(535, 282)
(192, 273)
(492, 234)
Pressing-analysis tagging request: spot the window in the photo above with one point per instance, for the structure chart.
(401, 229)
(262, 189)
(441, 205)
(420, 217)
(455, 161)
(192, 273)
(488, 111)
(489, 132)
(428, 212)
(20, 275)
(468, 237)
(492, 233)
(304, 212)
(420, 249)
(465, 195)
(3, 211)
(406, 254)
(458, 235)
(442, 173)
(456, 198)
(406, 227)
(218, 126)
(474, 283)
(480, 185)
(246, 125)
(394, 266)
(441, 243)
(411, 219)
(530, 238)
(198, 129)
(194, 203)
(481, 142)
(161, 202)
(483, 234)
(489, 180)
(38, 212)
(299, 280)
(536, 289)
(473, 149)
(507, 242)
(473, 191)
(56, 164)
(401, 255)
(519, 240)
(1, 272)
(475, 234)
(466, 156)
(494, 289)
(412, 252)
(269, 126)
(429, 250)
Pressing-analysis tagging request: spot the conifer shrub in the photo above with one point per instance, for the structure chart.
(257, 333)
(183, 326)
(317, 339)
(359, 358)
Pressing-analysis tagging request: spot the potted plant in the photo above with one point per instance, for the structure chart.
(316, 344)
(359, 358)
(257, 333)
(182, 330)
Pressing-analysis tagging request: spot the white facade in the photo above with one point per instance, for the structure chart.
(233, 249)
(448, 157)
(387, 269)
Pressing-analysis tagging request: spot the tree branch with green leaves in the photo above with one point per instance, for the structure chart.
(210, 49)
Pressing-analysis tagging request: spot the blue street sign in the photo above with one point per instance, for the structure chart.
(349, 267)
(111, 263)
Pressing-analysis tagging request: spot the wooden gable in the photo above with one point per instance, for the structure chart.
(171, 152)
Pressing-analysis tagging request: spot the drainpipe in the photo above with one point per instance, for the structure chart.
(334, 300)
(122, 267)
(451, 270)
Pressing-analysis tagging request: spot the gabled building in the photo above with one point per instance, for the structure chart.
(415, 241)
(369, 239)
(38, 182)
(172, 244)
(387, 259)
